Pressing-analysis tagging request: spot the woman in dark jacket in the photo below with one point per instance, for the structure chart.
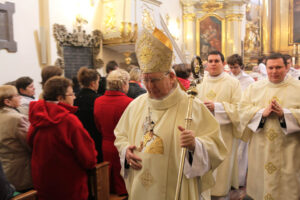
(135, 86)
(89, 81)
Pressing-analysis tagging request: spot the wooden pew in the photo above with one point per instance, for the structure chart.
(30, 195)
(99, 182)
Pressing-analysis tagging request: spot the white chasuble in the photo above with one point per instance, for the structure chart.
(226, 91)
(158, 177)
(273, 159)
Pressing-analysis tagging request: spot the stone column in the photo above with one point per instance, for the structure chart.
(267, 26)
(233, 34)
(189, 31)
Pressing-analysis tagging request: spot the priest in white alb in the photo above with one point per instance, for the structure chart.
(221, 93)
(236, 66)
(150, 133)
(270, 118)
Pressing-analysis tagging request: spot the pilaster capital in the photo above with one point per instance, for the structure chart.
(234, 17)
(189, 16)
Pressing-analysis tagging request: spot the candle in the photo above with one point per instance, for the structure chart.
(293, 61)
(294, 49)
(124, 10)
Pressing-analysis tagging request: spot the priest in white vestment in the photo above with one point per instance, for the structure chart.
(221, 93)
(235, 63)
(150, 133)
(291, 70)
(270, 118)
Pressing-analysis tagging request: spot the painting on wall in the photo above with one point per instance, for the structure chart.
(210, 35)
(294, 24)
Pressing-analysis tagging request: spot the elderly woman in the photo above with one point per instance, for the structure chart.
(14, 152)
(62, 149)
(108, 110)
(135, 85)
(89, 81)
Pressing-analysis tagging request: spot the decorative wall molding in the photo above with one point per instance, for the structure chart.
(78, 38)
(6, 27)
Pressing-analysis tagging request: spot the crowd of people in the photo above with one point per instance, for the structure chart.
(242, 139)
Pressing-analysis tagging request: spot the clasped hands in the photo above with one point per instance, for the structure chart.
(187, 139)
(273, 107)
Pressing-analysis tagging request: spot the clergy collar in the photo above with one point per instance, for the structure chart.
(216, 78)
(173, 98)
(285, 81)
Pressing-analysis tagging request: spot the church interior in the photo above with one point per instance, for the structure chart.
(38, 30)
(75, 33)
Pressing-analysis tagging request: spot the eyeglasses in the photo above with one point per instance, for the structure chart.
(72, 94)
(15, 95)
(154, 80)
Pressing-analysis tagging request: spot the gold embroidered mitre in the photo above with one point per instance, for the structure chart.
(154, 51)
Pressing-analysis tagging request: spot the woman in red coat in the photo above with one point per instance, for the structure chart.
(62, 149)
(107, 111)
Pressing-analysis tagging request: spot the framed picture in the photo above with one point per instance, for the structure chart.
(6, 27)
(294, 32)
(210, 35)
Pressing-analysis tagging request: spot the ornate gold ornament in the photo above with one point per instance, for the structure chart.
(234, 17)
(276, 99)
(268, 197)
(146, 179)
(211, 95)
(147, 20)
(212, 6)
(78, 38)
(270, 167)
(271, 135)
(151, 143)
(110, 20)
(154, 52)
(189, 16)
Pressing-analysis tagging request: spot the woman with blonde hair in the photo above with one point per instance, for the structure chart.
(108, 110)
(14, 151)
(135, 85)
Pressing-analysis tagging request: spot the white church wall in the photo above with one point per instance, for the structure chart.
(25, 61)
(173, 10)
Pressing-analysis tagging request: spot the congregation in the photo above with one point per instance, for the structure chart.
(242, 142)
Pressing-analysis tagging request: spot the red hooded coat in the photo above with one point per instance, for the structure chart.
(62, 151)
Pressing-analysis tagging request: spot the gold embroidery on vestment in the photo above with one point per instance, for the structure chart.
(211, 95)
(276, 99)
(156, 147)
(151, 142)
(270, 168)
(271, 134)
(268, 197)
(147, 179)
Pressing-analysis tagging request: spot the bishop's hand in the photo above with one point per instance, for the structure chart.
(187, 138)
(132, 159)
